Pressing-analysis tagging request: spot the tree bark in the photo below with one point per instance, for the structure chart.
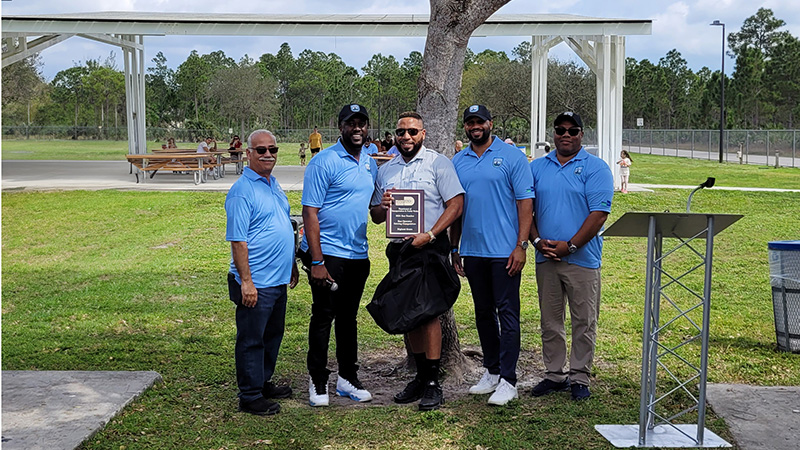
(451, 25)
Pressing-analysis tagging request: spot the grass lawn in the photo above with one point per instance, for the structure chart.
(655, 169)
(113, 280)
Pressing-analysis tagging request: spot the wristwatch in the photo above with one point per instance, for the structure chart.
(523, 244)
(572, 248)
(536, 242)
(433, 236)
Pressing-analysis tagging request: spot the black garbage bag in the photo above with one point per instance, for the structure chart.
(420, 285)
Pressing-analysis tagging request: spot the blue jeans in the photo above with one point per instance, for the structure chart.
(259, 332)
(496, 298)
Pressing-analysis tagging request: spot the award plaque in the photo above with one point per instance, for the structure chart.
(406, 217)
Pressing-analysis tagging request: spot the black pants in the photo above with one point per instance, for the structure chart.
(496, 298)
(338, 308)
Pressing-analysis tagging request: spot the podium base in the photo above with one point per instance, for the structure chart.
(623, 436)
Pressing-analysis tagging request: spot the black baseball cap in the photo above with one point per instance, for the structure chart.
(570, 116)
(351, 110)
(478, 111)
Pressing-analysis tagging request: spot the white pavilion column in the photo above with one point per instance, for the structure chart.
(606, 112)
(134, 94)
(539, 51)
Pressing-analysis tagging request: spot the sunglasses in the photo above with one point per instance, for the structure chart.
(261, 150)
(572, 131)
(400, 132)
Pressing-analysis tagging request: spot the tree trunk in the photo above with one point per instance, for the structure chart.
(452, 23)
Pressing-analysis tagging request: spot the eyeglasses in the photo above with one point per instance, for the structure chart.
(572, 131)
(400, 132)
(261, 150)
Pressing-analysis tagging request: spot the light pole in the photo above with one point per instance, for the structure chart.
(717, 23)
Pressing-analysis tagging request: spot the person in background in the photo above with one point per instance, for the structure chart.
(302, 153)
(315, 142)
(235, 144)
(387, 142)
(370, 147)
(205, 147)
(624, 170)
(262, 264)
(171, 143)
(458, 146)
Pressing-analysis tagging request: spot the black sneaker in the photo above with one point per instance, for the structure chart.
(259, 407)
(432, 398)
(273, 391)
(412, 392)
(549, 386)
(580, 392)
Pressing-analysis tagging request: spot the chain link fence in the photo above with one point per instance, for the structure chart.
(759, 147)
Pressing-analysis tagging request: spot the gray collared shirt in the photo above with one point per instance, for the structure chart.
(429, 171)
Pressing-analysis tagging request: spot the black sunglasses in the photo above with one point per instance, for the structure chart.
(572, 131)
(400, 132)
(261, 150)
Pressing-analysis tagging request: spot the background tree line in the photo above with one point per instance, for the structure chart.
(211, 93)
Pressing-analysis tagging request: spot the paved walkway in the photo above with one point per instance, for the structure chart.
(52, 410)
(96, 175)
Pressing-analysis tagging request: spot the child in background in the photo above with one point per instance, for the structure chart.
(302, 153)
(624, 170)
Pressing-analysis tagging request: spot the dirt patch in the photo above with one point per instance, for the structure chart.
(384, 375)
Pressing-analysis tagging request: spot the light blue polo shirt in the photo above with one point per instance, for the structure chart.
(341, 188)
(428, 170)
(493, 183)
(258, 213)
(371, 149)
(565, 195)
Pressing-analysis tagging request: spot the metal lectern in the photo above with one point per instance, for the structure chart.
(659, 410)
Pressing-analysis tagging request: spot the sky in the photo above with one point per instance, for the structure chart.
(681, 25)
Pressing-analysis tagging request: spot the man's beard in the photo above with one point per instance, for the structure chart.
(484, 138)
(411, 153)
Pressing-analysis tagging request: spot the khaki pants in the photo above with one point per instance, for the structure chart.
(560, 283)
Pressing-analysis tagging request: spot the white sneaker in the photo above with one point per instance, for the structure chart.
(352, 389)
(487, 385)
(504, 393)
(315, 398)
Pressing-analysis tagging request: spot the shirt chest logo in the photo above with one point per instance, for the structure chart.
(497, 162)
(578, 170)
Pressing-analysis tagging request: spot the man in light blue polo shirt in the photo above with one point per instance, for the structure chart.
(262, 264)
(574, 190)
(494, 238)
(337, 188)
(420, 168)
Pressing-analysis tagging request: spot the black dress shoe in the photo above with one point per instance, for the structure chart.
(259, 407)
(272, 391)
(549, 386)
(412, 392)
(432, 398)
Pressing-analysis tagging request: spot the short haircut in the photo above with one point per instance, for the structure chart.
(256, 133)
(411, 114)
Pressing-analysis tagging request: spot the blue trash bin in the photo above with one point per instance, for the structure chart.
(784, 275)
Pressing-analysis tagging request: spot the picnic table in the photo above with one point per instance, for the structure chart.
(174, 162)
(382, 159)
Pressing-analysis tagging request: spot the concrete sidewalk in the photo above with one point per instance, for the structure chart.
(95, 175)
(53, 410)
